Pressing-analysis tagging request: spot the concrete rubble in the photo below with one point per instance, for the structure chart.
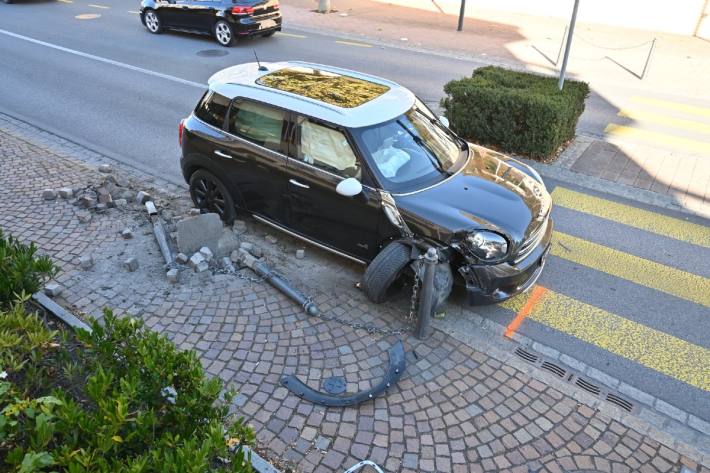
(52, 289)
(66, 192)
(198, 263)
(173, 276)
(131, 264)
(181, 258)
(105, 168)
(86, 262)
(198, 231)
(49, 194)
(127, 233)
(142, 197)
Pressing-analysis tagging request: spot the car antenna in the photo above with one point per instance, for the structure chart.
(261, 68)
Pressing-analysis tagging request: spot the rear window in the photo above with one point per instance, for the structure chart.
(212, 109)
(258, 123)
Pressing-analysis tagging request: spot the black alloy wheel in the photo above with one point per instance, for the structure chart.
(210, 195)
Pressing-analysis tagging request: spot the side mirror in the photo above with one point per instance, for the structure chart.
(444, 121)
(349, 187)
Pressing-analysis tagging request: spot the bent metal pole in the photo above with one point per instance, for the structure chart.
(426, 296)
(572, 22)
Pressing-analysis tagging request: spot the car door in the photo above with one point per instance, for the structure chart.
(167, 10)
(199, 14)
(254, 155)
(321, 156)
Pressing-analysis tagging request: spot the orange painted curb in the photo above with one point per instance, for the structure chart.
(535, 297)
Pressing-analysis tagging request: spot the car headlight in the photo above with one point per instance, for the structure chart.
(487, 246)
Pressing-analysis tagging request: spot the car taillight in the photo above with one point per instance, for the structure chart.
(242, 10)
(181, 128)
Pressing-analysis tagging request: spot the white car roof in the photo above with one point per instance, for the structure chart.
(241, 81)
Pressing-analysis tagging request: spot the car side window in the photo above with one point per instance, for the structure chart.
(326, 148)
(258, 123)
(212, 109)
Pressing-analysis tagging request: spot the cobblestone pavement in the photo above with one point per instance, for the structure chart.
(456, 409)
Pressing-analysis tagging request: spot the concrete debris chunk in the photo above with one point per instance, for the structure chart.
(120, 203)
(194, 212)
(101, 207)
(173, 276)
(49, 194)
(246, 246)
(181, 258)
(106, 199)
(300, 254)
(227, 264)
(142, 197)
(235, 257)
(227, 243)
(66, 192)
(198, 231)
(127, 233)
(84, 216)
(105, 168)
(87, 201)
(196, 259)
(86, 262)
(131, 264)
(52, 289)
(272, 239)
(206, 253)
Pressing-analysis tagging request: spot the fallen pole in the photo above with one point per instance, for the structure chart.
(159, 231)
(278, 282)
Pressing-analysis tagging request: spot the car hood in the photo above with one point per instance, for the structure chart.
(491, 191)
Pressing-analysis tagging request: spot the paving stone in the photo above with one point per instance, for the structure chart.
(131, 264)
(194, 212)
(181, 258)
(53, 289)
(206, 253)
(86, 262)
(84, 216)
(322, 443)
(127, 233)
(105, 168)
(300, 254)
(49, 194)
(142, 197)
(120, 203)
(173, 275)
(87, 201)
(65, 192)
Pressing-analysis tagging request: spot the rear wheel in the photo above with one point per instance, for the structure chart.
(210, 195)
(152, 22)
(382, 278)
(223, 33)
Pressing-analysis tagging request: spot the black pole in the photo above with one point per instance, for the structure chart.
(461, 14)
(426, 296)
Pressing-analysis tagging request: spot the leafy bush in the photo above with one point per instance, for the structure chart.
(517, 112)
(21, 270)
(119, 399)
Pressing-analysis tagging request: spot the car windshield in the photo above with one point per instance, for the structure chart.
(412, 151)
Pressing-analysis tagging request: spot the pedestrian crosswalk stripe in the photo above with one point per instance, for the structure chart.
(651, 348)
(662, 119)
(622, 131)
(634, 217)
(668, 105)
(641, 271)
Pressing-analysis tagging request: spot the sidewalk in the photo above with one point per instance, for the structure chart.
(643, 143)
(458, 408)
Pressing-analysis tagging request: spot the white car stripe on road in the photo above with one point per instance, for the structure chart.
(104, 60)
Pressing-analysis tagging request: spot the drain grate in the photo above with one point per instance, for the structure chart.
(212, 53)
(334, 385)
(570, 376)
(526, 355)
(554, 369)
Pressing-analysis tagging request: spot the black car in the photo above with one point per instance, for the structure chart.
(226, 20)
(359, 166)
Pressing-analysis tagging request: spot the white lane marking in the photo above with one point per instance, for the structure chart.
(104, 60)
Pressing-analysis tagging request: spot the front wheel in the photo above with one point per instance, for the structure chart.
(223, 33)
(152, 22)
(210, 195)
(382, 276)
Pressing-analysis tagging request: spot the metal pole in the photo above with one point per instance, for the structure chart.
(572, 22)
(461, 14)
(426, 298)
(648, 59)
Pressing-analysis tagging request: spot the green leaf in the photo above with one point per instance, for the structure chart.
(35, 462)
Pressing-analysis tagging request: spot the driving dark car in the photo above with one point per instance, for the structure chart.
(359, 166)
(225, 20)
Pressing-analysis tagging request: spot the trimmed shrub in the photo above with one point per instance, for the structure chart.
(119, 399)
(21, 270)
(517, 112)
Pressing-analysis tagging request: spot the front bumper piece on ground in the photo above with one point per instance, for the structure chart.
(490, 284)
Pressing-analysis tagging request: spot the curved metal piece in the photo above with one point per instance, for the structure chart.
(397, 365)
(362, 464)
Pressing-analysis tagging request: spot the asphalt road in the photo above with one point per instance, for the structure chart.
(107, 84)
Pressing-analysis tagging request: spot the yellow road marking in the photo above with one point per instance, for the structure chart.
(657, 138)
(103, 7)
(661, 119)
(641, 271)
(634, 217)
(654, 349)
(680, 107)
(350, 43)
(290, 35)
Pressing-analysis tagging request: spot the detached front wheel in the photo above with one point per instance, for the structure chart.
(382, 277)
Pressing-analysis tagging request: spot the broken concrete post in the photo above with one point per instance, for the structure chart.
(159, 231)
(142, 197)
(131, 264)
(196, 232)
(52, 289)
(66, 192)
(49, 194)
(173, 276)
(86, 262)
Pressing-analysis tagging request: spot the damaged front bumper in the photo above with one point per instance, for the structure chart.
(490, 284)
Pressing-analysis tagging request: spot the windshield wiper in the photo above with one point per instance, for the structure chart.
(432, 156)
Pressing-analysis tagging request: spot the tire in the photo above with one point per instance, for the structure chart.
(223, 33)
(381, 275)
(152, 21)
(211, 195)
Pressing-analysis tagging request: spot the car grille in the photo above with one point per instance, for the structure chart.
(532, 241)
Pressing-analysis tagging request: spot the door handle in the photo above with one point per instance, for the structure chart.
(299, 184)
(222, 155)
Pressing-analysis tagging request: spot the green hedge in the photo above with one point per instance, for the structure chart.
(21, 270)
(517, 112)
